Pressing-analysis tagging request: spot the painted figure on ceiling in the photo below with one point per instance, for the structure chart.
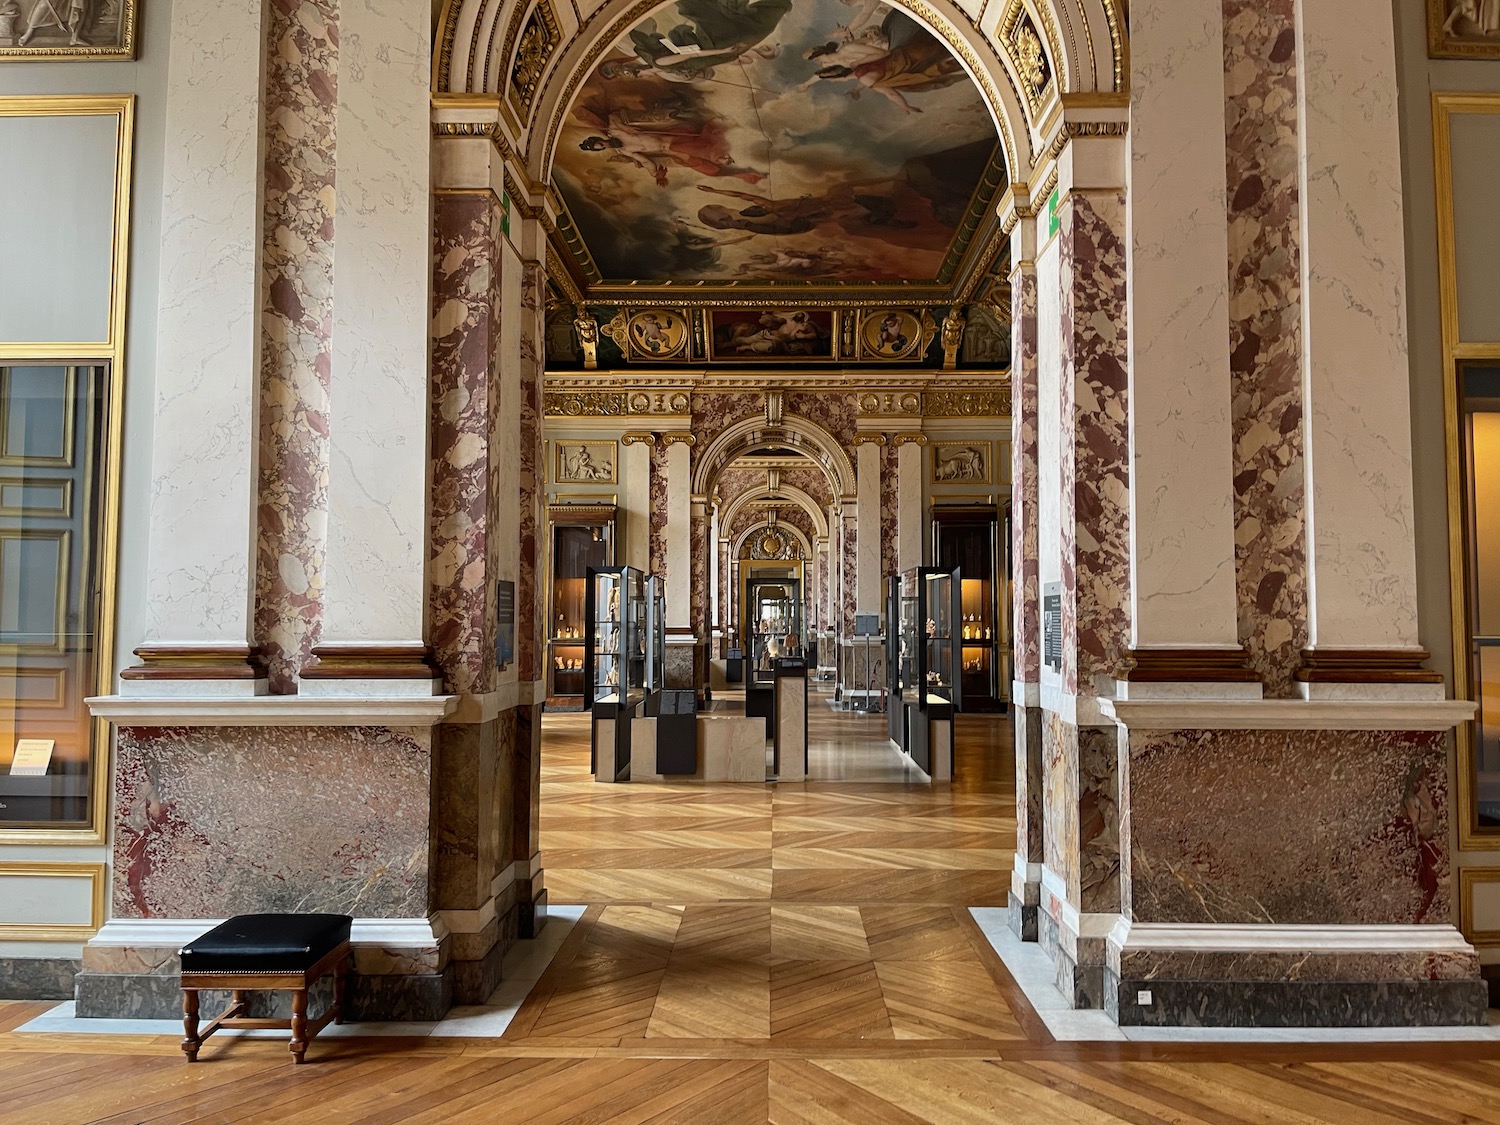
(912, 62)
(685, 138)
(713, 33)
(842, 203)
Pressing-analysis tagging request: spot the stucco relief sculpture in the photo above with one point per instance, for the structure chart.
(960, 463)
(585, 463)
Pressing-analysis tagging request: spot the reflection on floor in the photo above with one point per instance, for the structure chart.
(788, 953)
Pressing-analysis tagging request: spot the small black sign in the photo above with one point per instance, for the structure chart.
(505, 622)
(1052, 626)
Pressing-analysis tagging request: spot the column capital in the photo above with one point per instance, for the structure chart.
(670, 439)
(634, 437)
(869, 439)
(909, 439)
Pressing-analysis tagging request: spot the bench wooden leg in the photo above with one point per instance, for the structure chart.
(299, 1024)
(190, 1043)
(340, 989)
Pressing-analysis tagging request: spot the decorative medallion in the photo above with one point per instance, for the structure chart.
(657, 334)
(1028, 52)
(890, 334)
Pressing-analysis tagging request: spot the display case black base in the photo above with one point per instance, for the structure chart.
(1298, 1003)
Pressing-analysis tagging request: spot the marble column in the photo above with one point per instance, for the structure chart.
(909, 500)
(867, 470)
(375, 592)
(1024, 897)
(678, 531)
(635, 499)
(203, 527)
(848, 588)
(1355, 377)
(1183, 613)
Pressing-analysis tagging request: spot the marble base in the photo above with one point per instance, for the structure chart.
(1023, 917)
(1186, 1003)
(531, 915)
(38, 978)
(475, 981)
(424, 996)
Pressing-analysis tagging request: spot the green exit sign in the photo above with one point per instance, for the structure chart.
(1052, 220)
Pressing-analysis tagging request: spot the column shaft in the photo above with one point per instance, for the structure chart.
(1182, 503)
(678, 533)
(867, 574)
(909, 505)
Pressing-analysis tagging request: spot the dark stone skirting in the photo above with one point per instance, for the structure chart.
(155, 996)
(37, 978)
(1022, 917)
(1435, 1003)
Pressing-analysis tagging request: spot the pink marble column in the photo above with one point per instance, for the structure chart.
(296, 329)
(1265, 336)
(1026, 645)
(465, 405)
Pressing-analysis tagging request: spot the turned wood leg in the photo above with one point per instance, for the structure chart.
(340, 989)
(299, 1024)
(190, 1042)
(237, 1000)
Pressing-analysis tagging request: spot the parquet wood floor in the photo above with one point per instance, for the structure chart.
(798, 954)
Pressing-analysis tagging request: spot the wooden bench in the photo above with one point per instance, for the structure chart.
(264, 952)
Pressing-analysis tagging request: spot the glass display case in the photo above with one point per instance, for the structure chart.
(614, 637)
(968, 539)
(614, 663)
(774, 621)
(580, 536)
(924, 665)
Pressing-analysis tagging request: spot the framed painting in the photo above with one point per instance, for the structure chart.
(761, 334)
(1463, 29)
(962, 463)
(890, 334)
(583, 462)
(67, 29)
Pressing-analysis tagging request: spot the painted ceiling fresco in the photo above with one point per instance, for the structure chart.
(774, 140)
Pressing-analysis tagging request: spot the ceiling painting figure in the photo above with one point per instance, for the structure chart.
(776, 140)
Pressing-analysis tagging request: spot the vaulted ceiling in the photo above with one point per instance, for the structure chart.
(785, 147)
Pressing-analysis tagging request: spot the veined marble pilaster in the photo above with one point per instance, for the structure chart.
(465, 331)
(1026, 603)
(1095, 471)
(848, 568)
(868, 569)
(658, 537)
(530, 649)
(377, 529)
(296, 331)
(679, 533)
(1265, 336)
(1182, 560)
(635, 498)
(908, 472)
(200, 581)
(1355, 377)
(890, 512)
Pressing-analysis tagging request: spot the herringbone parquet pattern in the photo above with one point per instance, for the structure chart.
(798, 955)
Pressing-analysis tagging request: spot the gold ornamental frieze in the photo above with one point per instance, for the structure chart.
(611, 404)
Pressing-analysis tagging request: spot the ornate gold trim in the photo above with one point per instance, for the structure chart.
(59, 931)
(125, 52)
(869, 439)
(637, 437)
(1471, 837)
(910, 439)
(112, 352)
(1468, 879)
(671, 439)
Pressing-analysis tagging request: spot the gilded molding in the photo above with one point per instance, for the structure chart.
(890, 402)
(966, 404)
(539, 39)
(583, 404)
(558, 272)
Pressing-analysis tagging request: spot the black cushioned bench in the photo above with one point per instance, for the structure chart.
(254, 952)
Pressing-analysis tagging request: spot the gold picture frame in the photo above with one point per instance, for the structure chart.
(1461, 29)
(77, 30)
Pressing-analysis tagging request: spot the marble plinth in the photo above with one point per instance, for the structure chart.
(1022, 916)
(1298, 1003)
(37, 978)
